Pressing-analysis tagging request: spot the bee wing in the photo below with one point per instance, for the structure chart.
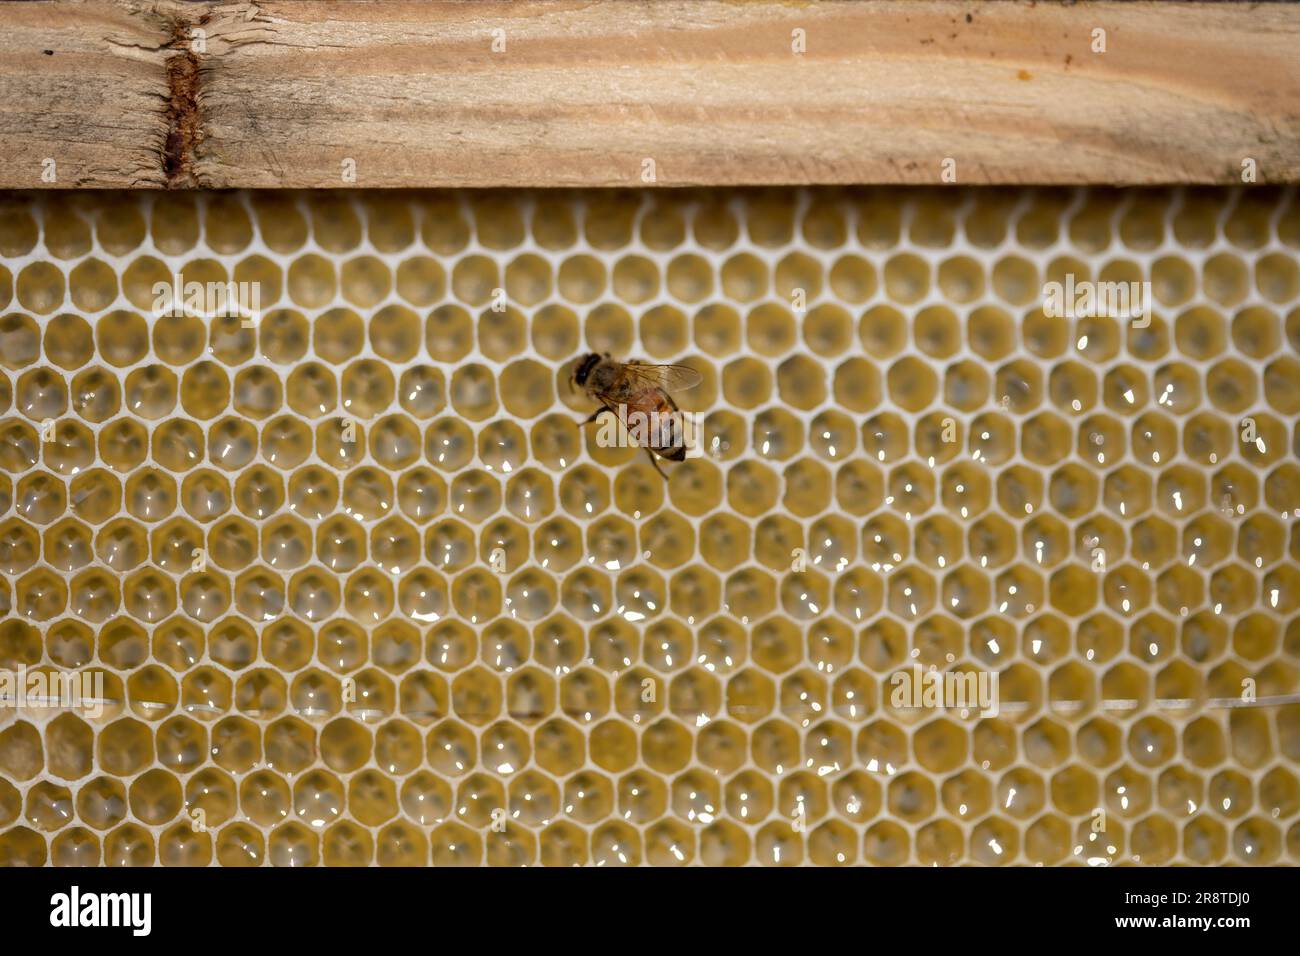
(670, 378)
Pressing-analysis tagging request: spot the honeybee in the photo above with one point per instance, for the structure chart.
(637, 394)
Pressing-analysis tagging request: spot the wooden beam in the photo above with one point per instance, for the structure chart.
(294, 93)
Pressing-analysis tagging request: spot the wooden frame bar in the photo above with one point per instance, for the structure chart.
(392, 93)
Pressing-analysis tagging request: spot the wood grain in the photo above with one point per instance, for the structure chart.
(290, 93)
(91, 104)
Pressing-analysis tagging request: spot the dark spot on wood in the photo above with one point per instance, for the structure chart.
(184, 128)
(969, 18)
(48, 52)
(1023, 75)
(183, 132)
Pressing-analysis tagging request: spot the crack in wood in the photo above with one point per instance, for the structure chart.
(184, 120)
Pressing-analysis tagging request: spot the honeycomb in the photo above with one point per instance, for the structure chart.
(356, 588)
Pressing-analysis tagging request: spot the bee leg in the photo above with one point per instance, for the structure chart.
(592, 417)
(654, 461)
